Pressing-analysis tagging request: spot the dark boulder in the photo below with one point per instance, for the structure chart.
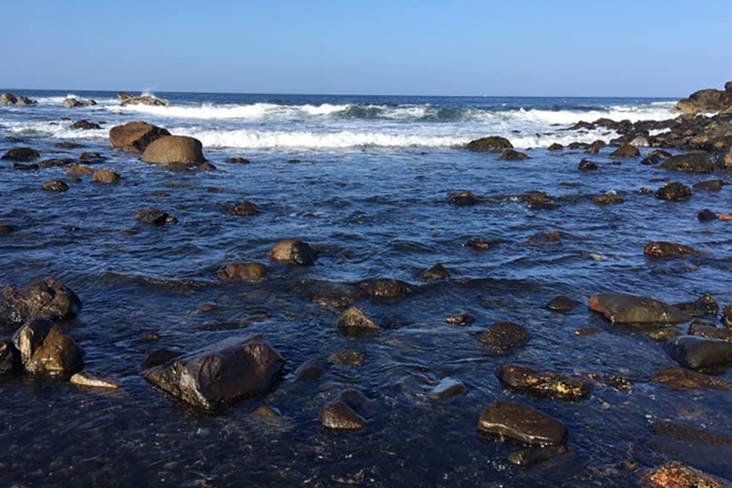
(674, 192)
(709, 331)
(555, 147)
(153, 216)
(706, 215)
(626, 151)
(489, 144)
(56, 162)
(44, 349)
(134, 137)
(159, 357)
(85, 125)
(696, 162)
(527, 378)
(587, 165)
(237, 160)
(105, 176)
(436, 272)
(534, 455)
(25, 166)
(687, 433)
(243, 272)
(42, 298)
(353, 322)
(521, 423)
(655, 157)
(705, 101)
(621, 308)
(221, 373)
(502, 337)
(8, 99)
(663, 249)
(385, 289)
(21, 154)
(676, 378)
(677, 475)
(446, 389)
(174, 150)
(560, 304)
(91, 157)
(727, 316)
(704, 306)
(244, 209)
(607, 199)
(699, 353)
(724, 159)
(512, 155)
(311, 370)
(464, 198)
(293, 252)
(711, 185)
(7, 229)
(340, 417)
(128, 99)
(9, 358)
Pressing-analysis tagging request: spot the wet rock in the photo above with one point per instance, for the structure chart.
(91, 157)
(674, 192)
(687, 433)
(221, 373)
(311, 370)
(85, 125)
(676, 378)
(105, 176)
(587, 165)
(385, 289)
(174, 150)
(706, 215)
(206, 166)
(543, 238)
(56, 162)
(607, 199)
(489, 144)
(655, 157)
(592, 150)
(560, 304)
(460, 320)
(43, 298)
(521, 423)
(25, 166)
(44, 349)
(7, 229)
(159, 357)
(626, 151)
(446, 389)
(697, 162)
(238, 160)
(9, 358)
(68, 145)
(243, 272)
(87, 379)
(354, 322)
(699, 353)
(555, 147)
(724, 160)
(479, 244)
(128, 99)
(677, 475)
(436, 272)
(244, 209)
(705, 101)
(621, 308)
(293, 252)
(21, 154)
(709, 331)
(153, 216)
(727, 316)
(701, 307)
(71, 102)
(664, 249)
(512, 155)
(464, 198)
(348, 358)
(502, 337)
(535, 455)
(545, 384)
(339, 416)
(711, 185)
(134, 137)
(8, 99)
(79, 170)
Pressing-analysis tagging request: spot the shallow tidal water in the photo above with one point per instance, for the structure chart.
(369, 213)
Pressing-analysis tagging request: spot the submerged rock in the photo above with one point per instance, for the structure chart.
(547, 384)
(521, 423)
(608, 199)
(502, 337)
(311, 370)
(339, 416)
(436, 272)
(244, 209)
(494, 143)
(699, 353)
(676, 378)
(677, 475)
(21, 154)
(706, 215)
(560, 304)
(153, 216)
(43, 298)
(134, 137)
(461, 319)
(243, 272)
(348, 358)
(56, 186)
(697, 162)
(464, 198)
(354, 322)
(687, 433)
(44, 349)
(587, 165)
(174, 150)
(674, 192)
(664, 249)
(621, 308)
(294, 252)
(711, 185)
(220, 373)
(447, 388)
(238, 160)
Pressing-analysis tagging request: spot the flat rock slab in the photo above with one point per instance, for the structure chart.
(676, 378)
(677, 475)
(220, 373)
(542, 383)
(620, 308)
(522, 423)
(699, 352)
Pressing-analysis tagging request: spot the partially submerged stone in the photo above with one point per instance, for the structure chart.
(340, 417)
(92, 380)
(535, 455)
(44, 349)
(436, 272)
(699, 353)
(447, 388)
(153, 216)
(560, 304)
(42, 298)
(621, 308)
(521, 423)
(220, 373)
(385, 289)
(174, 150)
(665, 249)
(674, 192)
(512, 155)
(9, 358)
(21, 154)
(543, 383)
(502, 337)
(697, 162)
(687, 433)
(493, 143)
(294, 252)
(625, 151)
(105, 176)
(348, 358)
(676, 378)
(677, 475)
(243, 272)
(354, 322)
(55, 186)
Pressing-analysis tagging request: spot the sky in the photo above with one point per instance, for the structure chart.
(665, 48)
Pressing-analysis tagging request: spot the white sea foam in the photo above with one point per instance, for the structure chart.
(60, 130)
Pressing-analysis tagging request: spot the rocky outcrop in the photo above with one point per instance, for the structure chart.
(72, 102)
(293, 252)
(44, 349)
(19, 101)
(44, 298)
(128, 99)
(493, 143)
(174, 150)
(705, 101)
(221, 373)
(521, 423)
(621, 308)
(134, 137)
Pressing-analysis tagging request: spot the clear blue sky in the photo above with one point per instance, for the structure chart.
(427, 47)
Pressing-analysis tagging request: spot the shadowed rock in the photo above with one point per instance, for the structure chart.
(436, 272)
(587, 165)
(502, 337)
(494, 143)
(153, 216)
(674, 192)
(464, 198)
(55, 186)
(626, 151)
(9, 358)
(311, 370)
(174, 150)
(446, 389)
(512, 155)
(699, 353)
(676, 378)
(687, 433)
(697, 162)
(535, 455)
(560, 304)
(134, 137)
(711, 185)
(244, 209)
(664, 249)
(620, 308)
(546, 384)
(44, 349)
(221, 373)
(521, 423)
(292, 251)
(85, 125)
(385, 289)
(43, 298)
(339, 416)
(21, 154)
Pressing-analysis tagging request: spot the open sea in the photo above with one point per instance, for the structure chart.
(365, 180)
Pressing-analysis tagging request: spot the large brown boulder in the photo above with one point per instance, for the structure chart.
(46, 298)
(44, 349)
(220, 373)
(621, 308)
(705, 101)
(174, 150)
(493, 143)
(134, 137)
(127, 99)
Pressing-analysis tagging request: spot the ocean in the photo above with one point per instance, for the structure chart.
(367, 181)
